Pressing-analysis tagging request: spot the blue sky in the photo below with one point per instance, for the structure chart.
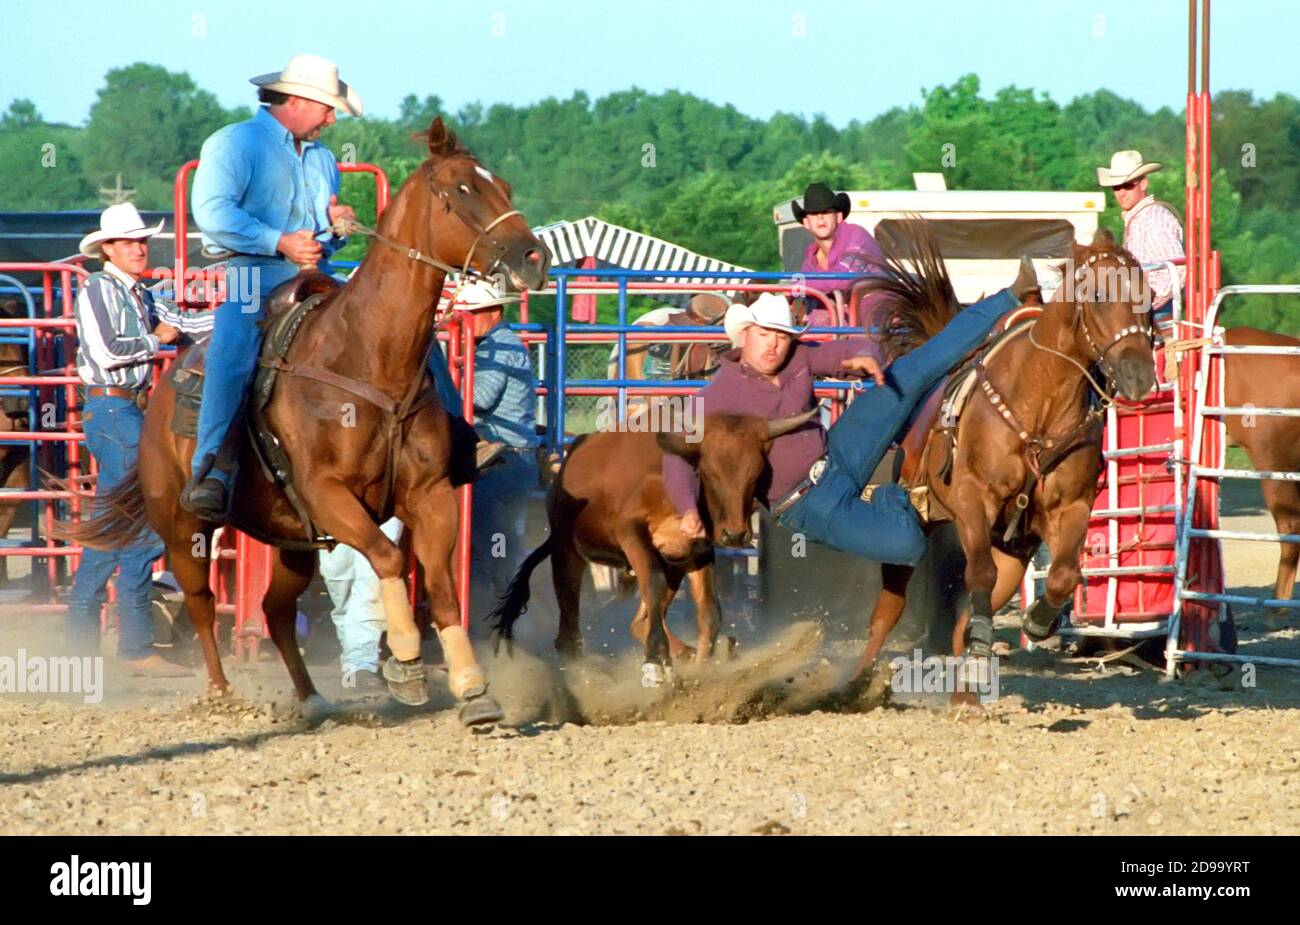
(844, 59)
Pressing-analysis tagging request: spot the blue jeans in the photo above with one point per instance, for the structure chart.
(358, 614)
(885, 529)
(497, 540)
(232, 352)
(112, 427)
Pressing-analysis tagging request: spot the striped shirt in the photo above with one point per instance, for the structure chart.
(1152, 234)
(114, 315)
(504, 396)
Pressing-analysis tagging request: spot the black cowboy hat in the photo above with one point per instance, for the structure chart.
(819, 198)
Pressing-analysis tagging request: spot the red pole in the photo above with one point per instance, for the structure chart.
(464, 538)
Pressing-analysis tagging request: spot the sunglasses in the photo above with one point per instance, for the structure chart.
(1131, 184)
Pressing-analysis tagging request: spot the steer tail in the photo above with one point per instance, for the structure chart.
(119, 518)
(515, 601)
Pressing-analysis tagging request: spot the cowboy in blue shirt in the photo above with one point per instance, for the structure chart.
(266, 193)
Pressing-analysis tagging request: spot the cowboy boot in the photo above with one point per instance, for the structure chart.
(205, 495)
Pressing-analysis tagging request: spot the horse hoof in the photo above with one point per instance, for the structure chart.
(316, 709)
(407, 682)
(480, 711)
(655, 675)
(1041, 621)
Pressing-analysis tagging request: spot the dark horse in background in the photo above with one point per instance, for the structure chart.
(1271, 442)
(1020, 469)
(366, 437)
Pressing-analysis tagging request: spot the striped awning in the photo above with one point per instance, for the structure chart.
(616, 246)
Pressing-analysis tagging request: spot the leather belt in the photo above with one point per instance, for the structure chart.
(788, 501)
(139, 396)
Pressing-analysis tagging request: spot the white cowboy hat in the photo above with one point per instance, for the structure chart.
(478, 295)
(1125, 166)
(770, 310)
(314, 78)
(119, 221)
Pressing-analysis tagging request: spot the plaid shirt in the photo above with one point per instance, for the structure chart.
(114, 315)
(1152, 234)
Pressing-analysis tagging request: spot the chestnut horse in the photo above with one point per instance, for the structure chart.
(1035, 416)
(1272, 442)
(366, 344)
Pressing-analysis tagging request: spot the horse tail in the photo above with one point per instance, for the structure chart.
(120, 518)
(918, 300)
(515, 601)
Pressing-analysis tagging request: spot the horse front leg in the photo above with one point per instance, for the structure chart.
(974, 636)
(1067, 527)
(336, 510)
(434, 519)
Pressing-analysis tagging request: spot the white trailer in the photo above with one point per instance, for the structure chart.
(981, 233)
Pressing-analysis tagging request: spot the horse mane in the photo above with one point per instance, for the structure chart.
(919, 301)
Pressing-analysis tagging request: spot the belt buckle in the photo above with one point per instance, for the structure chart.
(817, 470)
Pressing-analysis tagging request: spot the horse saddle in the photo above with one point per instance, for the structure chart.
(287, 307)
(939, 415)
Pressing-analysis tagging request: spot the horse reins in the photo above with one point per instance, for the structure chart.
(397, 411)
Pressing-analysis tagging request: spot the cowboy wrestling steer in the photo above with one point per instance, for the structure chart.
(609, 505)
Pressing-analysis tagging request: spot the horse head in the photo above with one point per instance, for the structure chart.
(1113, 313)
(484, 231)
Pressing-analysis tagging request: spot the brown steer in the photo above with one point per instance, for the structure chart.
(609, 506)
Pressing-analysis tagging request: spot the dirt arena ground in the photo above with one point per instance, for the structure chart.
(755, 746)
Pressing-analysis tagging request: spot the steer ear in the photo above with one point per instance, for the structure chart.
(678, 445)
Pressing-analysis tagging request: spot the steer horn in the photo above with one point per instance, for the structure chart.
(785, 425)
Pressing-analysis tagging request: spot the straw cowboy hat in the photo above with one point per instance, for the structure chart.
(119, 221)
(1125, 166)
(818, 197)
(476, 296)
(770, 310)
(313, 78)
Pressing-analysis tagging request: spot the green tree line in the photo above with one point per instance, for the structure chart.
(706, 175)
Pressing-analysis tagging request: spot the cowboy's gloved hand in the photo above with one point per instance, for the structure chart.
(341, 217)
(864, 367)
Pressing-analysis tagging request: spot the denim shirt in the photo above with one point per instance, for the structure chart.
(252, 186)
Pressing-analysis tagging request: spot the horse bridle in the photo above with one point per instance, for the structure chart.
(465, 273)
(1083, 314)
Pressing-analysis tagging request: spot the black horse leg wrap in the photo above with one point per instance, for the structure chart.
(1040, 619)
(979, 630)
